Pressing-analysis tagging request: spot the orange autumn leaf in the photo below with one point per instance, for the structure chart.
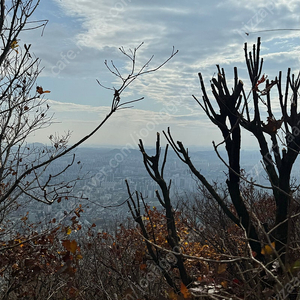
(73, 246)
(66, 244)
(263, 78)
(40, 90)
(268, 250)
(70, 245)
(184, 291)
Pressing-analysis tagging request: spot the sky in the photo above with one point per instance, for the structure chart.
(82, 34)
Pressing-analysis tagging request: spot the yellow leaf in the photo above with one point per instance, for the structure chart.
(224, 284)
(222, 268)
(267, 250)
(69, 230)
(73, 246)
(79, 256)
(14, 45)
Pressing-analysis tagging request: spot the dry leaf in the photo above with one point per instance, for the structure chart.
(263, 78)
(272, 126)
(184, 291)
(40, 90)
(222, 268)
(267, 250)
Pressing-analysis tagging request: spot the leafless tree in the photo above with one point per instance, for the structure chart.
(234, 113)
(152, 165)
(25, 110)
(278, 141)
(25, 169)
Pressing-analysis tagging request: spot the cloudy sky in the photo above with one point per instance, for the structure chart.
(82, 34)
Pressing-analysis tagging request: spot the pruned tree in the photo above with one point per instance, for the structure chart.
(233, 110)
(152, 165)
(234, 113)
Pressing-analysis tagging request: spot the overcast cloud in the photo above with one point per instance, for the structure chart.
(206, 33)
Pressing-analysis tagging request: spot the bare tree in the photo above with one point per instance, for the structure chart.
(25, 172)
(25, 110)
(152, 165)
(235, 108)
(230, 111)
(234, 113)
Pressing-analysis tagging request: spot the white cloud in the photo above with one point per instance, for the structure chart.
(206, 33)
(125, 126)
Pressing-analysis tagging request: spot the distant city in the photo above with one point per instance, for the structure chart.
(102, 173)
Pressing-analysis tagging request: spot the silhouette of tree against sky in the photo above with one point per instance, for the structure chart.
(25, 167)
(232, 111)
(25, 110)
